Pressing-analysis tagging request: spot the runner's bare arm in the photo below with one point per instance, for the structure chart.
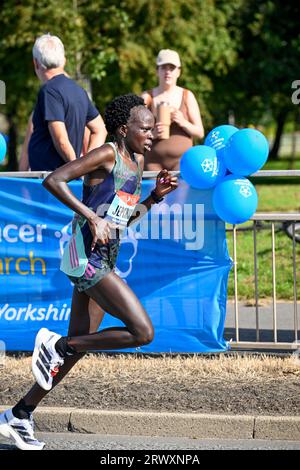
(56, 182)
(165, 183)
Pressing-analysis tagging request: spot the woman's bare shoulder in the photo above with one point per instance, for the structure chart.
(147, 97)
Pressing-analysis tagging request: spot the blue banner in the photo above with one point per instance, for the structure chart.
(175, 260)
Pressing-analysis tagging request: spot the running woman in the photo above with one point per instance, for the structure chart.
(111, 190)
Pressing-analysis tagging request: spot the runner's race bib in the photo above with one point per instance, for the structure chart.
(121, 208)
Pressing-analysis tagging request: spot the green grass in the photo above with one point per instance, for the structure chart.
(281, 198)
(278, 198)
(245, 265)
(285, 162)
(282, 164)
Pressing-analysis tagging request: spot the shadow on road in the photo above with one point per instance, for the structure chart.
(249, 334)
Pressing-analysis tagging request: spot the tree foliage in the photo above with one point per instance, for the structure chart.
(236, 54)
(268, 46)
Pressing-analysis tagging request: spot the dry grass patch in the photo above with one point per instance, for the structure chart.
(121, 369)
(235, 383)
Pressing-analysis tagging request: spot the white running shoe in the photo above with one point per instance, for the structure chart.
(45, 360)
(20, 430)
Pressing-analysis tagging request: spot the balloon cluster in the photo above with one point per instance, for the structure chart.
(229, 154)
(3, 148)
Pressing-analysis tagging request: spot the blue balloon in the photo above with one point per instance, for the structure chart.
(219, 136)
(246, 152)
(3, 148)
(201, 168)
(235, 199)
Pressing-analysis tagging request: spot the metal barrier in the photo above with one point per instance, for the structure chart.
(271, 217)
(147, 174)
(237, 344)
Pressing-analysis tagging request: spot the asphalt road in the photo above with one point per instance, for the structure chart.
(76, 441)
(247, 322)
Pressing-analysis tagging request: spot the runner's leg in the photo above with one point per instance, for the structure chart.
(86, 317)
(114, 296)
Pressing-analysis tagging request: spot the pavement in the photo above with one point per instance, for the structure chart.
(76, 441)
(162, 424)
(247, 321)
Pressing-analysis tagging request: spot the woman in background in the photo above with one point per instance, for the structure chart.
(186, 122)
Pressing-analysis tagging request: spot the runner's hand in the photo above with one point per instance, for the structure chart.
(165, 183)
(100, 229)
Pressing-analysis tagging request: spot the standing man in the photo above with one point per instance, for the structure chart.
(62, 112)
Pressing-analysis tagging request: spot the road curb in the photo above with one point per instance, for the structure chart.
(189, 425)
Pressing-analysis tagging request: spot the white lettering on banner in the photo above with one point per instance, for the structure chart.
(174, 222)
(40, 313)
(10, 313)
(29, 313)
(25, 233)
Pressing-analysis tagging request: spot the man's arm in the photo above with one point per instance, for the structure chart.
(98, 133)
(85, 143)
(24, 160)
(61, 141)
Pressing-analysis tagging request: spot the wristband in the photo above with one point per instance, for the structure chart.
(155, 197)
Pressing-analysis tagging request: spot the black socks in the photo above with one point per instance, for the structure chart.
(62, 347)
(22, 411)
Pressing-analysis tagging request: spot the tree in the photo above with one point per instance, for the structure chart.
(125, 37)
(20, 24)
(268, 46)
(115, 43)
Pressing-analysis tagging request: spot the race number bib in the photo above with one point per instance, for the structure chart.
(122, 208)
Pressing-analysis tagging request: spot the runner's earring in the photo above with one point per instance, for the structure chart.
(123, 131)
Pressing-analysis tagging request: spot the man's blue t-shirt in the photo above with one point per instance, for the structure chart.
(59, 99)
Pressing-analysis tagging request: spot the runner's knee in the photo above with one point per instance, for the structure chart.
(144, 335)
